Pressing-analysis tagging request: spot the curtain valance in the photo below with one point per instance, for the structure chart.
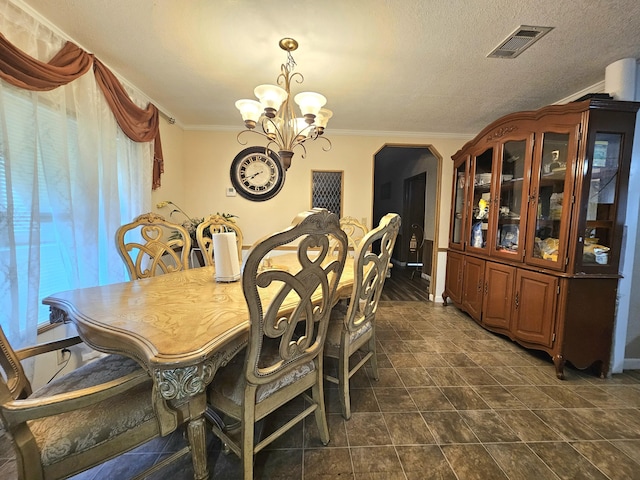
(140, 125)
(24, 71)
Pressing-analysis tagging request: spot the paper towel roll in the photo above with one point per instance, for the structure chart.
(225, 257)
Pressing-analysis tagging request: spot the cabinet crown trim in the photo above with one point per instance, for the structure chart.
(501, 132)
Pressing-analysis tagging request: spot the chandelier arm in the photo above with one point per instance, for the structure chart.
(328, 141)
(310, 134)
(313, 134)
(279, 140)
(250, 131)
(284, 79)
(271, 142)
(288, 125)
(298, 76)
(301, 145)
(239, 135)
(326, 149)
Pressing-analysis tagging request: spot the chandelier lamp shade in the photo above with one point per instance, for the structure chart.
(273, 115)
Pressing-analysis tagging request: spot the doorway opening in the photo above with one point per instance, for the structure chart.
(406, 182)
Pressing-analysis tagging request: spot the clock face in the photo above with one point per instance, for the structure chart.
(257, 174)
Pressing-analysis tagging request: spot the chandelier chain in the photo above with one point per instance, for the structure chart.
(291, 63)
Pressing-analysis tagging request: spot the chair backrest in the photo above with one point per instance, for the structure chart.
(151, 246)
(370, 271)
(13, 381)
(280, 343)
(216, 224)
(354, 229)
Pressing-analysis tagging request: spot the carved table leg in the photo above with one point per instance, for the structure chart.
(189, 384)
(444, 299)
(559, 361)
(197, 433)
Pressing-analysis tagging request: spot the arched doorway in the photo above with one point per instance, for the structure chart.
(406, 181)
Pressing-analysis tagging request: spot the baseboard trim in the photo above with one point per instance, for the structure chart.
(631, 364)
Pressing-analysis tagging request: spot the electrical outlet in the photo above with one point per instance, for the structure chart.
(63, 355)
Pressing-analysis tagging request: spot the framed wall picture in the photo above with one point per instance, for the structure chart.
(326, 190)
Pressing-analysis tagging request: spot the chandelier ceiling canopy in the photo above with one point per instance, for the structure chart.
(275, 116)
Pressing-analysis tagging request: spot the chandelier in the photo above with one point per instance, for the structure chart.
(274, 112)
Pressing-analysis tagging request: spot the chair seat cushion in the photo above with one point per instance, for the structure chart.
(229, 382)
(78, 431)
(336, 327)
(102, 370)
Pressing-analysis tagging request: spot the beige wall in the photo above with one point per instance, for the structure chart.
(197, 175)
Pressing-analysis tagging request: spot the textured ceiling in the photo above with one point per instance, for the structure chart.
(384, 65)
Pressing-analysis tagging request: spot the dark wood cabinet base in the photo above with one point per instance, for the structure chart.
(571, 319)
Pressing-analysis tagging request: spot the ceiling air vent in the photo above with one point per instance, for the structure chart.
(516, 43)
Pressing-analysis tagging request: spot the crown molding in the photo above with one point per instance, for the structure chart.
(342, 133)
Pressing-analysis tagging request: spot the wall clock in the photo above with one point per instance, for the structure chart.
(257, 174)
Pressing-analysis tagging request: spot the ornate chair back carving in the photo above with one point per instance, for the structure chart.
(370, 270)
(355, 231)
(353, 329)
(289, 309)
(216, 224)
(314, 230)
(150, 246)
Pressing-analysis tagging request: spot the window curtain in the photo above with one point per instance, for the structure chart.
(69, 177)
(21, 70)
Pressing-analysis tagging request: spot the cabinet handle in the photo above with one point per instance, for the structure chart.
(486, 287)
(517, 301)
(480, 286)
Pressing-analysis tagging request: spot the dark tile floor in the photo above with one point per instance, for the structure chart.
(405, 284)
(453, 402)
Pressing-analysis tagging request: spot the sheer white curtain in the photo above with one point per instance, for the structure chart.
(68, 178)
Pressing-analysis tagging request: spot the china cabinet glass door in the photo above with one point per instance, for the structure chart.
(602, 201)
(550, 199)
(480, 200)
(459, 205)
(511, 201)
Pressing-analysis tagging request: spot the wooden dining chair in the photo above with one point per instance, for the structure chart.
(216, 224)
(150, 246)
(354, 229)
(352, 325)
(77, 421)
(283, 358)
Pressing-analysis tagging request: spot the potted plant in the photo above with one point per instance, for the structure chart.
(191, 223)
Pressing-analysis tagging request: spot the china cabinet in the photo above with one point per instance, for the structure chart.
(537, 219)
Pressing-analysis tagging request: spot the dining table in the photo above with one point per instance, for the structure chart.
(181, 327)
